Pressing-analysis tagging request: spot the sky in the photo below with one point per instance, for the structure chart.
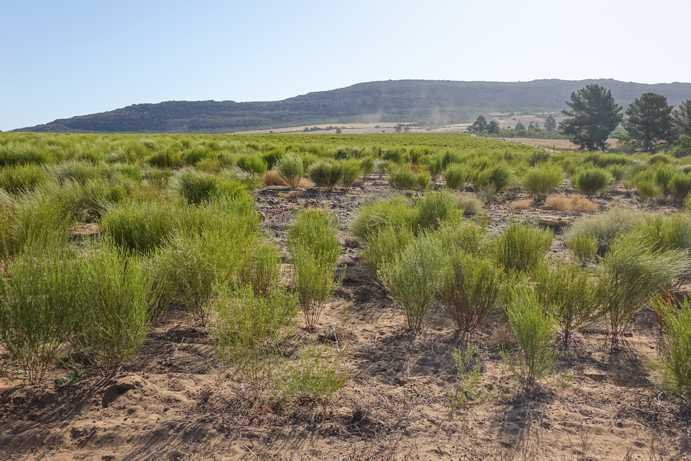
(72, 57)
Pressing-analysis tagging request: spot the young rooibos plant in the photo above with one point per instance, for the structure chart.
(522, 247)
(676, 350)
(291, 169)
(414, 278)
(540, 181)
(315, 250)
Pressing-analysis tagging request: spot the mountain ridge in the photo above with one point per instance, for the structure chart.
(409, 100)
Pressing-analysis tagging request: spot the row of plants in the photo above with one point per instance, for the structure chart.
(429, 258)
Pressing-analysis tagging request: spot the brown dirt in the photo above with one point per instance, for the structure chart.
(175, 401)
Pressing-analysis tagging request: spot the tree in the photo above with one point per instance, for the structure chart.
(649, 121)
(479, 126)
(591, 118)
(493, 128)
(681, 116)
(519, 129)
(550, 124)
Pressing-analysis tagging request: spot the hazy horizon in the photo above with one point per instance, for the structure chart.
(78, 57)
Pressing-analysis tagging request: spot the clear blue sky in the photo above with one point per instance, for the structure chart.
(64, 58)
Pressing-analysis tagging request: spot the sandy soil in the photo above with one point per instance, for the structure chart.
(175, 401)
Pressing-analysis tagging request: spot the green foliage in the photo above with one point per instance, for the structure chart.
(534, 331)
(252, 164)
(605, 227)
(469, 290)
(540, 181)
(632, 274)
(570, 295)
(403, 178)
(495, 178)
(326, 173)
(22, 178)
(165, 159)
(665, 232)
(584, 247)
(649, 121)
(464, 236)
(680, 186)
(521, 247)
(676, 350)
(351, 170)
(591, 117)
(291, 169)
(456, 177)
(395, 212)
(468, 371)
(314, 248)
(385, 244)
(198, 188)
(414, 278)
(139, 227)
(435, 208)
(592, 180)
(317, 374)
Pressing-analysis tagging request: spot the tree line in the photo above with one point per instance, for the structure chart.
(592, 115)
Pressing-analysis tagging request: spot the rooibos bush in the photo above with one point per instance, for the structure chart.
(592, 180)
(22, 178)
(680, 186)
(252, 164)
(198, 188)
(139, 227)
(291, 169)
(395, 212)
(470, 290)
(414, 278)
(314, 248)
(676, 350)
(435, 208)
(605, 227)
(403, 178)
(584, 247)
(522, 247)
(326, 173)
(540, 181)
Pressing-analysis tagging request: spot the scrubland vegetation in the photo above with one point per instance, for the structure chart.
(102, 238)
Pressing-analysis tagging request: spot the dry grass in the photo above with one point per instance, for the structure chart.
(570, 203)
(274, 178)
(522, 204)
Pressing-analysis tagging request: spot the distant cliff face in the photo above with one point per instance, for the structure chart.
(428, 101)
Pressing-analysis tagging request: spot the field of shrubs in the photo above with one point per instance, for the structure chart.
(327, 296)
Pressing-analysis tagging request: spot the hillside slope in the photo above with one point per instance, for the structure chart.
(426, 101)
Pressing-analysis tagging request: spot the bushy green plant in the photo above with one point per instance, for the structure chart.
(456, 177)
(676, 350)
(395, 212)
(403, 178)
(314, 248)
(199, 188)
(435, 208)
(521, 247)
(246, 325)
(632, 274)
(262, 270)
(385, 244)
(540, 181)
(470, 204)
(534, 331)
(469, 290)
(647, 189)
(139, 227)
(465, 236)
(494, 179)
(291, 169)
(665, 232)
(317, 374)
(414, 278)
(165, 159)
(680, 186)
(584, 247)
(252, 164)
(570, 295)
(326, 173)
(592, 180)
(605, 227)
(351, 170)
(22, 178)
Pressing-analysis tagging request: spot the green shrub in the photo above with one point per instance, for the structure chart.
(395, 212)
(593, 180)
(167, 159)
(326, 174)
(680, 186)
(617, 172)
(139, 227)
(351, 170)
(435, 208)
(414, 278)
(570, 295)
(632, 274)
(537, 157)
(659, 159)
(521, 247)
(36, 308)
(246, 326)
(252, 164)
(22, 178)
(422, 179)
(471, 205)
(665, 232)
(464, 236)
(113, 312)
(494, 179)
(647, 189)
(604, 228)
(314, 248)
(534, 331)
(403, 178)
(385, 244)
(21, 154)
(291, 169)
(199, 188)
(584, 247)
(262, 270)
(469, 290)
(676, 350)
(540, 181)
(456, 177)
(663, 177)
(194, 156)
(316, 374)
(79, 172)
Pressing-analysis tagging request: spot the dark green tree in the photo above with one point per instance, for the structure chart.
(493, 128)
(649, 121)
(591, 117)
(681, 116)
(550, 124)
(479, 126)
(519, 130)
